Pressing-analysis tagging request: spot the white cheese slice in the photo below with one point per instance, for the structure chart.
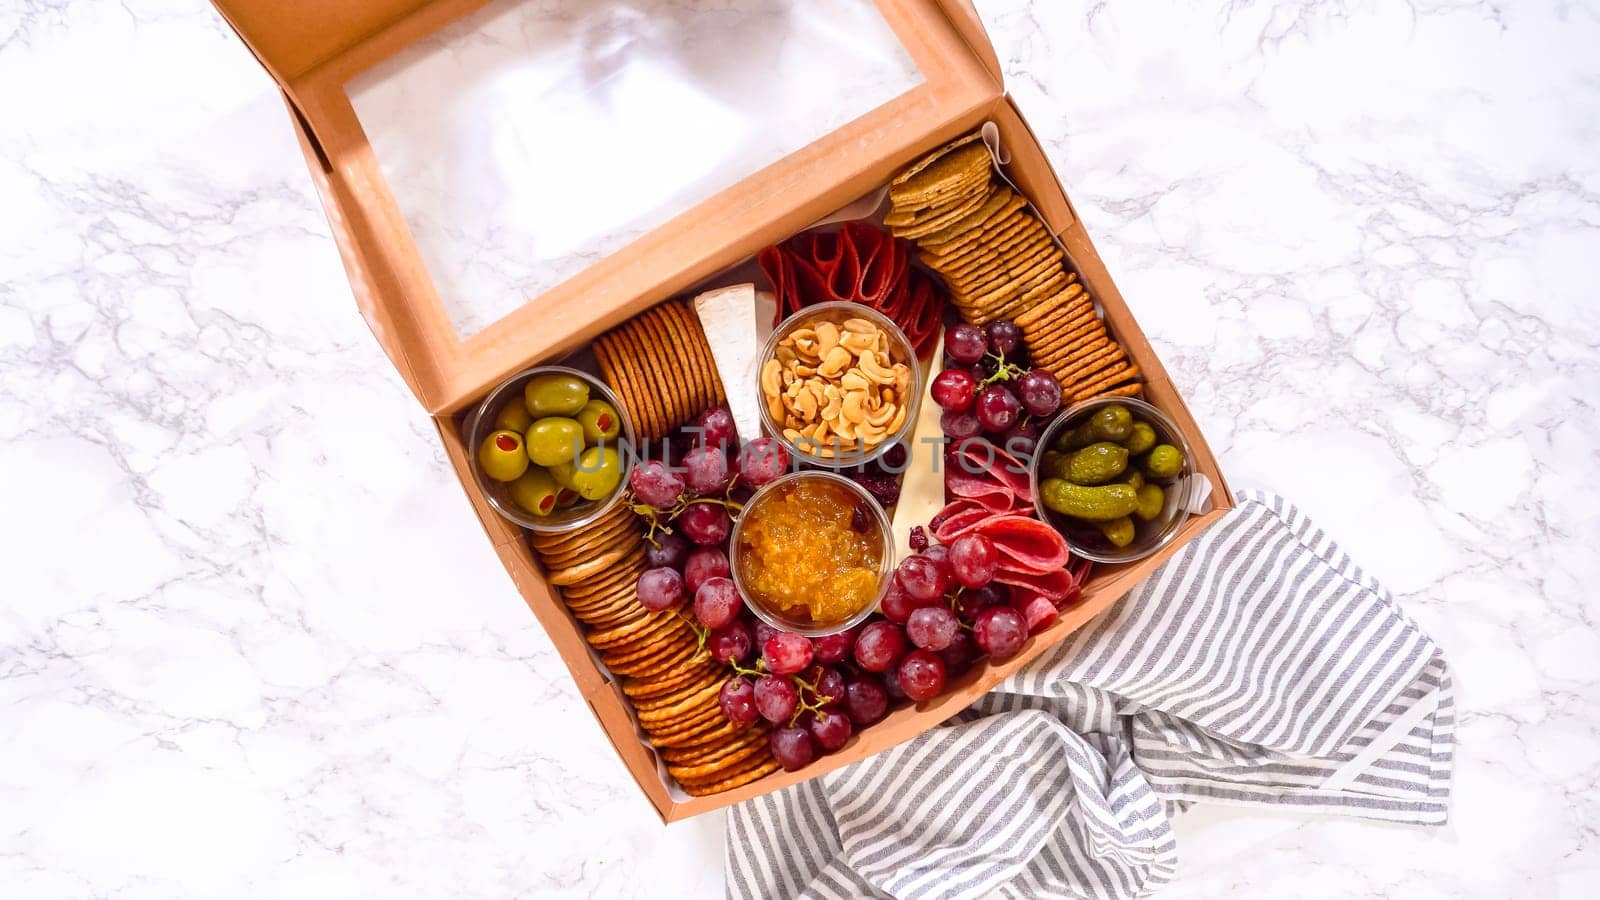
(730, 320)
(922, 487)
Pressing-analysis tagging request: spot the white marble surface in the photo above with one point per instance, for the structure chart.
(252, 644)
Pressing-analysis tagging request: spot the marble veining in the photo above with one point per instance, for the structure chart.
(252, 642)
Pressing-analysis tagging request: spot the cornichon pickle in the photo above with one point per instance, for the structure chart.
(1140, 438)
(1097, 463)
(1118, 531)
(1095, 504)
(1133, 477)
(1152, 499)
(1164, 461)
(1109, 423)
(1053, 464)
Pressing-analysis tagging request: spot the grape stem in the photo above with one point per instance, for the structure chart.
(659, 519)
(701, 632)
(1003, 372)
(818, 701)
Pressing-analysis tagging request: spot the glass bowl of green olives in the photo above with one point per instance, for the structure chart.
(1114, 476)
(551, 448)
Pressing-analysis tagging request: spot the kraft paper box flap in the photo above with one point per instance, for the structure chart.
(519, 176)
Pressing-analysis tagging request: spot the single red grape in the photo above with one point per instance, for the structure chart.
(940, 554)
(880, 646)
(1039, 392)
(897, 605)
(792, 748)
(786, 653)
(830, 687)
(776, 698)
(922, 675)
(730, 644)
(959, 424)
(891, 684)
(707, 524)
(1000, 631)
(669, 549)
(833, 648)
(717, 603)
(702, 565)
(716, 428)
(830, 729)
(738, 700)
(1021, 439)
(965, 343)
(923, 578)
(763, 633)
(954, 389)
(762, 461)
(661, 588)
(1004, 336)
(865, 700)
(655, 485)
(960, 655)
(971, 602)
(997, 408)
(932, 627)
(973, 560)
(706, 470)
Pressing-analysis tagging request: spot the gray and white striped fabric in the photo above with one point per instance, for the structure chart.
(1259, 666)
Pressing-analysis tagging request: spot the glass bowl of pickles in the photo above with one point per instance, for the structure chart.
(1114, 476)
(550, 448)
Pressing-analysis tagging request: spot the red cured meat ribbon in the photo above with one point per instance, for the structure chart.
(1033, 556)
(979, 470)
(860, 263)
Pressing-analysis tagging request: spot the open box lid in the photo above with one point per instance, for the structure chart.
(508, 179)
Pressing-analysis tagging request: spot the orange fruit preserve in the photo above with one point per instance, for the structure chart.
(810, 552)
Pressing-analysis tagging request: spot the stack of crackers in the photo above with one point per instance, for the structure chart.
(666, 674)
(1001, 262)
(660, 364)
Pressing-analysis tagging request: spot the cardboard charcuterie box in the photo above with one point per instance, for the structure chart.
(477, 254)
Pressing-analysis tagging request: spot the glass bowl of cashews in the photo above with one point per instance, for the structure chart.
(839, 385)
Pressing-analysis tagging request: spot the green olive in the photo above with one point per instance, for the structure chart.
(513, 417)
(600, 421)
(562, 473)
(567, 499)
(554, 440)
(535, 492)
(1164, 461)
(502, 457)
(555, 395)
(598, 473)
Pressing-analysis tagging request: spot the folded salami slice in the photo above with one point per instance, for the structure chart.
(1057, 584)
(1026, 544)
(957, 518)
(983, 461)
(986, 491)
(861, 263)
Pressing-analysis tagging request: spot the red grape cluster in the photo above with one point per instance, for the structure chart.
(688, 506)
(943, 613)
(983, 389)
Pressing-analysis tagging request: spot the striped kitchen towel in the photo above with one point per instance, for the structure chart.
(1259, 666)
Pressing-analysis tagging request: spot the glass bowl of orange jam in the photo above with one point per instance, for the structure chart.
(812, 553)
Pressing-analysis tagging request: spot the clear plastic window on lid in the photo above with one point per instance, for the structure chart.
(535, 137)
